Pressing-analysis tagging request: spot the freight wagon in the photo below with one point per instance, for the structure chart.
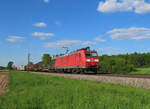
(33, 67)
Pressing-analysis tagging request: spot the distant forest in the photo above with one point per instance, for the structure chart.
(123, 63)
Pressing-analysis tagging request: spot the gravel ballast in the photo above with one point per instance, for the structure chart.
(126, 81)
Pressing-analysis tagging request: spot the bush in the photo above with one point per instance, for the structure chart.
(112, 64)
(2, 68)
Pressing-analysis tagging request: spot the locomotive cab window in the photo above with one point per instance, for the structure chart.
(94, 54)
(91, 54)
(88, 54)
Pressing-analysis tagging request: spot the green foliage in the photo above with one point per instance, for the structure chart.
(138, 59)
(40, 63)
(10, 64)
(46, 59)
(123, 63)
(52, 63)
(114, 64)
(32, 91)
(30, 63)
(142, 71)
(2, 68)
(5, 70)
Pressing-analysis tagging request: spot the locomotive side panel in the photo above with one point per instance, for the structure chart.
(70, 61)
(83, 59)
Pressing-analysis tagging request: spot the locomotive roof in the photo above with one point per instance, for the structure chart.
(87, 49)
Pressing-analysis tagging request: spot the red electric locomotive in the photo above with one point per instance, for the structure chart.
(82, 60)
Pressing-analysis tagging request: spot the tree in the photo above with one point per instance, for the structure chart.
(2, 68)
(115, 64)
(46, 59)
(39, 63)
(30, 63)
(10, 65)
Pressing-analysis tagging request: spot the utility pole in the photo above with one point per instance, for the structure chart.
(28, 61)
(28, 58)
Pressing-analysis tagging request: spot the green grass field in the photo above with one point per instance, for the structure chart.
(142, 71)
(33, 91)
(4, 70)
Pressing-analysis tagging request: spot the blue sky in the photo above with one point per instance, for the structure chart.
(45, 26)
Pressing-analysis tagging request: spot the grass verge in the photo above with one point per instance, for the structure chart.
(32, 91)
(142, 71)
(4, 70)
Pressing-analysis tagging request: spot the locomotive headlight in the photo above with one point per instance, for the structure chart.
(88, 60)
(96, 60)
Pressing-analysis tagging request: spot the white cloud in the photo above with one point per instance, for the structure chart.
(130, 34)
(46, 1)
(138, 6)
(40, 24)
(99, 39)
(88, 43)
(58, 23)
(62, 43)
(108, 50)
(142, 7)
(15, 38)
(43, 36)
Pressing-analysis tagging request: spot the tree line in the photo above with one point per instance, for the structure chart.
(123, 63)
(9, 66)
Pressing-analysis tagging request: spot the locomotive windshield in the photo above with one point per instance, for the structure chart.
(91, 54)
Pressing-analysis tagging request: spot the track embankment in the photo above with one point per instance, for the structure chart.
(122, 80)
(4, 78)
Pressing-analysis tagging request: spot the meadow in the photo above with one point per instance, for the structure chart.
(33, 91)
(4, 70)
(141, 71)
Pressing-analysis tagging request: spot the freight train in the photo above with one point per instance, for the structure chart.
(80, 61)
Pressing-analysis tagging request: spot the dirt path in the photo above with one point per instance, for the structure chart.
(127, 81)
(4, 78)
